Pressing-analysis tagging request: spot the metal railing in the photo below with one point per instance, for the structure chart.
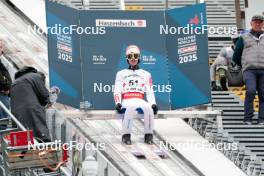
(22, 128)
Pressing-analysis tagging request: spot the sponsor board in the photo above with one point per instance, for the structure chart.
(84, 65)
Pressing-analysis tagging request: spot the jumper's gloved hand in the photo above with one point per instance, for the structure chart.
(118, 107)
(155, 109)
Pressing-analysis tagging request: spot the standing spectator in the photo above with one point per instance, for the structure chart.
(29, 97)
(249, 53)
(5, 84)
(223, 64)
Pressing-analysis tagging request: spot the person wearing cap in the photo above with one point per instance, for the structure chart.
(5, 85)
(223, 63)
(131, 86)
(249, 53)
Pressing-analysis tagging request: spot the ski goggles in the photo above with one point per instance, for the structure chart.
(133, 56)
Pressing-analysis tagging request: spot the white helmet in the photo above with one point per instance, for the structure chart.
(133, 52)
(132, 49)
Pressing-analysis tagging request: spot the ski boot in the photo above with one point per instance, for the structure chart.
(126, 139)
(149, 138)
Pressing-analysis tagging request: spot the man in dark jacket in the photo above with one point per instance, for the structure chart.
(249, 53)
(29, 96)
(5, 84)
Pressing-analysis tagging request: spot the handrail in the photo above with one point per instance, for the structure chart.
(12, 117)
(20, 125)
(24, 129)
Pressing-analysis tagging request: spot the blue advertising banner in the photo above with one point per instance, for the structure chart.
(104, 54)
(187, 55)
(64, 53)
(95, 51)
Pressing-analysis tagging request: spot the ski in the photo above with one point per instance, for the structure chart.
(155, 159)
(130, 158)
(137, 138)
(137, 152)
(133, 149)
(161, 153)
(129, 154)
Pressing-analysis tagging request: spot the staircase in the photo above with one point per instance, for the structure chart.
(220, 13)
(249, 155)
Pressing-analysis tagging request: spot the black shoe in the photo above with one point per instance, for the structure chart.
(149, 139)
(248, 122)
(223, 83)
(126, 139)
(260, 121)
(215, 87)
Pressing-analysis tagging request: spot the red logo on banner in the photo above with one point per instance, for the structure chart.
(194, 20)
(140, 22)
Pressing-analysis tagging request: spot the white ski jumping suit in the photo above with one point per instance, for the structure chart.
(130, 89)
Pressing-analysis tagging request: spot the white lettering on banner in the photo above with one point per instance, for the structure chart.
(100, 87)
(64, 47)
(99, 59)
(64, 57)
(187, 58)
(121, 23)
(187, 49)
(148, 59)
